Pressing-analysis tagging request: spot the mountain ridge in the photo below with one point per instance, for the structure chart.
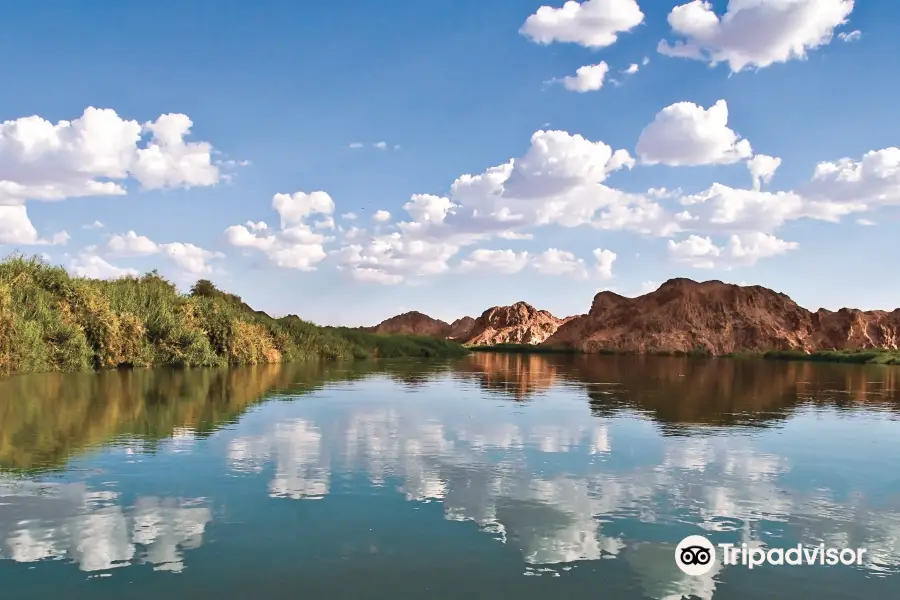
(681, 315)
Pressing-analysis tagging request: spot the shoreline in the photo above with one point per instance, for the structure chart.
(865, 356)
(53, 322)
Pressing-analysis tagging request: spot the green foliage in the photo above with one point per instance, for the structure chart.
(50, 321)
(378, 345)
(880, 357)
(871, 356)
(526, 349)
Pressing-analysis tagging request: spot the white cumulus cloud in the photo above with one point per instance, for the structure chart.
(16, 228)
(558, 180)
(560, 262)
(762, 169)
(95, 155)
(592, 23)
(131, 244)
(754, 33)
(188, 257)
(295, 245)
(93, 266)
(504, 261)
(741, 250)
(587, 78)
(381, 216)
(550, 262)
(685, 134)
(870, 182)
(605, 260)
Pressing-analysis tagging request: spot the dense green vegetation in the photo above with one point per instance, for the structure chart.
(540, 349)
(388, 345)
(51, 321)
(526, 349)
(881, 357)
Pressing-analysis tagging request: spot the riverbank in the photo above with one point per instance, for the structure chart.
(525, 349)
(51, 321)
(881, 357)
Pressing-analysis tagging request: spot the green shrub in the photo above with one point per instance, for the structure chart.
(50, 321)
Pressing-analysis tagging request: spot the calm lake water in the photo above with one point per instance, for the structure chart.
(492, 477)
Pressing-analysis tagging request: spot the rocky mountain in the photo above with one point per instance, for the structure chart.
(413, 323)
(461, 328)
(520, 323)
(681, 316)
(684, 316)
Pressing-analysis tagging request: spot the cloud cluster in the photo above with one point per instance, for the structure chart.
(550, 262)
(93, 155)
(592, 23)
(558, 181)
(91, 265)
(380, 145)
(561, 181)
(868, 183)
(96, 153)
(93, 529)
(16, 228)
(742, 250)
(295, 244)
(189, 259)
(754, 33)
(685, 134)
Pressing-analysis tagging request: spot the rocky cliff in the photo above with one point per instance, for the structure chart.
(461, 329)
(681, 316)
(520, 323)
(719, 318)
(413, 323)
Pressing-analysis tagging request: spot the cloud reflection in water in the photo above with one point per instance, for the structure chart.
(40, 521)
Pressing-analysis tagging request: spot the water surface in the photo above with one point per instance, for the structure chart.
(495, 476)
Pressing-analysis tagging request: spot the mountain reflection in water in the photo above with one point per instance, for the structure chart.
(564, 460)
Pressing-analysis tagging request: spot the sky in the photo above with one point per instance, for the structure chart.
(350, 161)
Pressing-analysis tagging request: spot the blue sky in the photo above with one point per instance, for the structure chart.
(277, 92)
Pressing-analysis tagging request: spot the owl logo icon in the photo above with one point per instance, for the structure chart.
(695, 555)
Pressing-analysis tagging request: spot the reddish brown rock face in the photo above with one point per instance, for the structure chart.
(413, 323)
(854, 329)
(520, 323)
(461, 329)
(681, 316)
(684, 316)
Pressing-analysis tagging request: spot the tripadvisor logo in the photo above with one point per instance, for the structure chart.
(695, 555)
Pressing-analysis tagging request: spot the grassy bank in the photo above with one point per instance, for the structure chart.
(525, 349)
(51, 321)
(533, 349)
(883, 357)
(879, 357)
